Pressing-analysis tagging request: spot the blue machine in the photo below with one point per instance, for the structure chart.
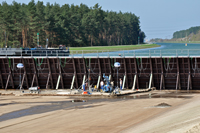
(108, 86)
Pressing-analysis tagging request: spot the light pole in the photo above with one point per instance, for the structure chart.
(117, 65)
(20, 66)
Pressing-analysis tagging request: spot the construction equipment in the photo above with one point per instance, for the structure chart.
(108, 87)
(34, 89)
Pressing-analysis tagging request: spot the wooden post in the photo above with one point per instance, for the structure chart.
(99, 64)
(162, 77)
(29, 66)
(150, 81)
(131, 71)
(161, 81)
(136, 73)
(22, 81)
(177, 79)
(79, 65)
(1, 80)
(125, 69)
(157, 69)
(35, 73)
(110, 68)
(48, 81)
(189, 68)
(133, 88)
(10, 73)
(151, 68)
(183, 63)
(178, 75)
(7, 81)
(60, 73)
(25, 73)
(188, 84)
(84, 66)
(75, 73)
(104, 65)
(83, 82)
(72, 83)
(4, 65)
(50, 73)
(99, 78)
(33, 80)
(58, 81)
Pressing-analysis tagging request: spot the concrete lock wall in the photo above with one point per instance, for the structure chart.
(51, 72)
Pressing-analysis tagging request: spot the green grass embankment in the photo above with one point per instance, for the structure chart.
(194, 42)
(95, 49)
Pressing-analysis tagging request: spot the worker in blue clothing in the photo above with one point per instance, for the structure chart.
(85, 85)
(102, 85)
(120, 82)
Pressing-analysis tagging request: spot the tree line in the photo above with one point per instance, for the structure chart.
(187, 32)
(70, 25)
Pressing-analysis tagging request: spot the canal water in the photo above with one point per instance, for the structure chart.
(165, 49)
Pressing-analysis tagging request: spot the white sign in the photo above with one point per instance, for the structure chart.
(117, 64)
(20, 65)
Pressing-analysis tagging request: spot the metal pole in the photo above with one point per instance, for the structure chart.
(124, 80)
(89, 75)
(83, 81)
(20, 82)
(150, 81)
(117, 77)
(58, 81)
(133, 88)
(98, 82)
(72, 84)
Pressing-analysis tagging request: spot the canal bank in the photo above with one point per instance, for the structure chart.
(64, 92)
(155, 111)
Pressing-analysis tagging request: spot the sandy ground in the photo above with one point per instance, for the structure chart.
(135, 115)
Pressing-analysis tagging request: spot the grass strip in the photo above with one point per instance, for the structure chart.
(95, 49)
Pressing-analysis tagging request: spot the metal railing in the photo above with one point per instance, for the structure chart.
(137, 53)
(31, 53)
(104, 53)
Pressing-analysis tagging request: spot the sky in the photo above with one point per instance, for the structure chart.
(158, 18)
